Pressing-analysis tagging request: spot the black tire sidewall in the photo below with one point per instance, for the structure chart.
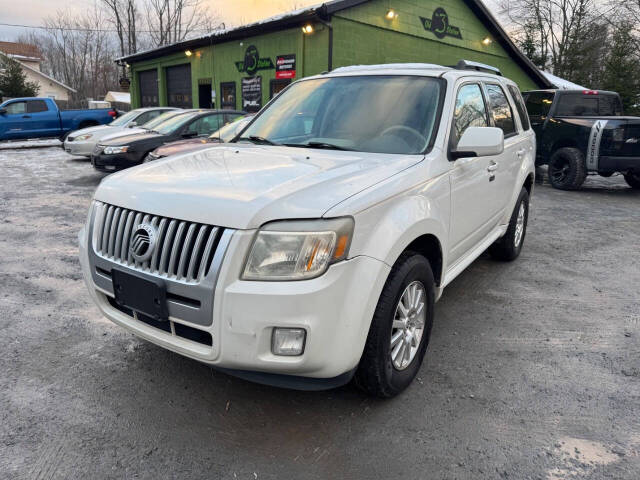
(413, 267)
(633, 180)
(577, 168)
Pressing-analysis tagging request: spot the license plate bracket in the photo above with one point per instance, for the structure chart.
(141, 294)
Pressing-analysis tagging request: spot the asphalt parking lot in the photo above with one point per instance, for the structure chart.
(533, 371)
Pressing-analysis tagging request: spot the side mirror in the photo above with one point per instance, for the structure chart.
(133, 124)
(479, 142)
(3, 111)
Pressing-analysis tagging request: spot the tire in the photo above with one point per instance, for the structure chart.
(567, 169)
(633, 179)
(508, 247)
(377, 373)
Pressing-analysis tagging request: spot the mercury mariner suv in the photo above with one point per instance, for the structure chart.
(313, 247)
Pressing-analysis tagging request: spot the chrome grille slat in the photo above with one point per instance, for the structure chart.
(175, 247)
(183, 249)
(208, 252)
(186, 247)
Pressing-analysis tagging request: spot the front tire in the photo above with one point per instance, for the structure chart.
(633, 180)
(567, 169)
(400, 329)
(508, 247)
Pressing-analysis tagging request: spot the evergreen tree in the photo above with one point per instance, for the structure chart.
(13, 81)
(621, 70)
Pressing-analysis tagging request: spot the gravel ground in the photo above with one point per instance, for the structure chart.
(533, 370)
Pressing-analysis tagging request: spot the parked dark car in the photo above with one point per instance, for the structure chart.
(227, 133)
(584, 131)
(22, 118)
(130, 150)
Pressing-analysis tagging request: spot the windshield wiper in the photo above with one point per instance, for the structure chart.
(258, 140)
(328, 146)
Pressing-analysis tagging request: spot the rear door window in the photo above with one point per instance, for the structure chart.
(501, 109)
(520, 106)
(35, 106)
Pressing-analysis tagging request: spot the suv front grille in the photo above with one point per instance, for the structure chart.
(183, 251)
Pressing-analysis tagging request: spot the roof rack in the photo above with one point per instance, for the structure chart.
(479, 67)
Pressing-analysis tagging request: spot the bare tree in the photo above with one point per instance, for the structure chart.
(171, 21)
(123, 15)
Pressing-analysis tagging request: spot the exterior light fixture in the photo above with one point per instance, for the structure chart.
(308, 28)
(188, 53)
(487, 41)
(391, 14)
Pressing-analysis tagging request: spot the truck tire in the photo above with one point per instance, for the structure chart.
(633, 179)
(508, 247)
(567, 169)
(400, 329)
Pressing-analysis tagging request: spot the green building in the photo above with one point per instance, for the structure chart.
(244, 67)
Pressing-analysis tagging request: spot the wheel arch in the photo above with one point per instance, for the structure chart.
(429, 246)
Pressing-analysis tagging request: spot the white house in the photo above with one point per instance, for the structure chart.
(30, 58)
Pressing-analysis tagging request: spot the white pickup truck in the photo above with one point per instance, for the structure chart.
(313, 248)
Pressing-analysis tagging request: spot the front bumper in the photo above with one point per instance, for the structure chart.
(81, 148)
(119, 161)
(335, 310)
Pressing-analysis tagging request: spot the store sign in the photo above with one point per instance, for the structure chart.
(251, 94)
(125, 84)
(286, 66)
(252, 62)
(438, 24)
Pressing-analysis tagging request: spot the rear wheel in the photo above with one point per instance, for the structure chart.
(567, 169)
(633, 179)
(400, 329)
(508, 247)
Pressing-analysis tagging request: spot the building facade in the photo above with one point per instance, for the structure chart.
(244, 68)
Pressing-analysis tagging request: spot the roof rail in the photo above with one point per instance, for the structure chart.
(480, 67)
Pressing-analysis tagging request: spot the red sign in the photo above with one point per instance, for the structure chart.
(286, 66)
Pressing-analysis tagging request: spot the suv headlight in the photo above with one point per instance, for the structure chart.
(298, 249)
(114, 150)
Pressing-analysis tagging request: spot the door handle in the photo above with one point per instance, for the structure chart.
(493, 166)
(26, 116)
(520, 153)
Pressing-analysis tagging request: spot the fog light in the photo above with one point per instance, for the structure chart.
(288, 341)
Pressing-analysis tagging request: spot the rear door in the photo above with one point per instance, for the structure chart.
(507, 166)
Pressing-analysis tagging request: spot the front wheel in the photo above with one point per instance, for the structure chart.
(633, 179)
(508, 247)
(400, 328)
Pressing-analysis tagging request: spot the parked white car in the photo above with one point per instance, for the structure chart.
(82, 142)
(315, 247)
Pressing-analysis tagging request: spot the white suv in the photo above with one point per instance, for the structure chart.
(313, 247)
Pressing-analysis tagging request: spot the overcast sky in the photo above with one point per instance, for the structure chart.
(232, 12)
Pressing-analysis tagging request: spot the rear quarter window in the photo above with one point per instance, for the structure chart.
(35, 106)
(539, 103)
(520, 106)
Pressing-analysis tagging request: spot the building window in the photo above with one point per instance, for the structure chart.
(277, 85)
(228, 95)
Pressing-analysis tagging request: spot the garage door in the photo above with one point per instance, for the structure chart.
(179, 86)
(148, 88)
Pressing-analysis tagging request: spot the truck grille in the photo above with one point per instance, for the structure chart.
(183, 250)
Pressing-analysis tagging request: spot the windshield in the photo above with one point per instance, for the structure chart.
(151, 124)
(124, 119)
(173, 123)
(378, 114)
(229, 131)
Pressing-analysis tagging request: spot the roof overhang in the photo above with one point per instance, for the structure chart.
(324, 12)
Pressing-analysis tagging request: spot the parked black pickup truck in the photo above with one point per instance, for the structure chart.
(584, 131)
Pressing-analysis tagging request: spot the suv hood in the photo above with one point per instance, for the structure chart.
(243, 186)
